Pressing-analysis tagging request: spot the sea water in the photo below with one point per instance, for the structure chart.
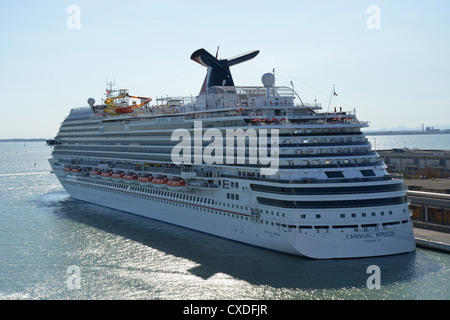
(56, 247)
(410, 141)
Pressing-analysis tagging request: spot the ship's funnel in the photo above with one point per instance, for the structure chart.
(219, 70)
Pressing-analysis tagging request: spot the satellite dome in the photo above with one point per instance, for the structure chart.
(91, 101)
(268, 79)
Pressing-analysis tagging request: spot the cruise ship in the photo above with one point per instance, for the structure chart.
(250, 164)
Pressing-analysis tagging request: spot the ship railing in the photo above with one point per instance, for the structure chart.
(174, 101)
(313, 180)
(245, 92)
(261, 91)
(262, 119)
(189, 173)
(253, 91)
(289, 193)
(168, 169)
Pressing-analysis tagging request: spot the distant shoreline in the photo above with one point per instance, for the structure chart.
(23, 140)
(402, 133)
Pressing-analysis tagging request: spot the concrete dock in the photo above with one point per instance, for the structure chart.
(430, 205)
(431, 239)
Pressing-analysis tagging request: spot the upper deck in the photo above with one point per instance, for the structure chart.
(256, 106)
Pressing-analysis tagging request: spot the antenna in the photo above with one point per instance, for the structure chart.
(292, 84)
(111, 84)
(329, 103)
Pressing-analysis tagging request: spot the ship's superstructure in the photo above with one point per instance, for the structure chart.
(244, 163)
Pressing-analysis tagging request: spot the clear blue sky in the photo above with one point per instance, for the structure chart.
(397, 75)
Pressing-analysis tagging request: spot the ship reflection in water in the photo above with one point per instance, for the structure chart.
(166, 255)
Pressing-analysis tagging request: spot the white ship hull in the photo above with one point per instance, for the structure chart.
(314, 243)
(242, 163)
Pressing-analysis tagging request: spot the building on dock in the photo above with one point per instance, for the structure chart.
(430, 163)
(430, 202)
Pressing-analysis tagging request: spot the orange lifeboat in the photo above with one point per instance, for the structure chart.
(176, 184)
(130, 177)
(68, 169)
(117, 175)
(107, 174)
(145, 180)
(123, 110)
(160, 182)
(96, 173)
(76, 170)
